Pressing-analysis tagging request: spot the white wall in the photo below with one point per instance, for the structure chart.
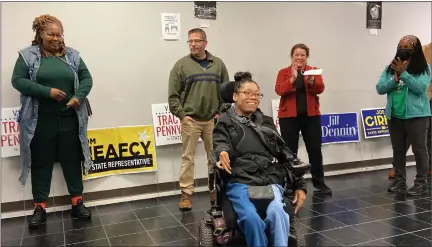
(130, 63)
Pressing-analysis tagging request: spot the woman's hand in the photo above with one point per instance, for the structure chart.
(73, 103)
(57, 94)
(294, 72)
(398, 65)
(311, 80)
(299, 198)
(396, 77)
(224, 162)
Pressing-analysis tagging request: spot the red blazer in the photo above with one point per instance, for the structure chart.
(287, 91)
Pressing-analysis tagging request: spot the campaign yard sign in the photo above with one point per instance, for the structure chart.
(375, 123)
(339, 128)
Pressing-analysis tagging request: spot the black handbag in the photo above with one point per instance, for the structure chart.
(261, 197)
(261, 193)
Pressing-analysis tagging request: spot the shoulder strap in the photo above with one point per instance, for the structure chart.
(277, 142)
(247, 122)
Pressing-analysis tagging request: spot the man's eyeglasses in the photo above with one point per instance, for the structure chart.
(196, 41)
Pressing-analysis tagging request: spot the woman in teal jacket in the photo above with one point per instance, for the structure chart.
(405, 81)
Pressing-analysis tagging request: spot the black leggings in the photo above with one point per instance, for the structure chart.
(410, 131)
(310, 128)
(429, 143)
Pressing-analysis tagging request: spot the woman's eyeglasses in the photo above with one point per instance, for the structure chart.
(250, 94)
(54, 35)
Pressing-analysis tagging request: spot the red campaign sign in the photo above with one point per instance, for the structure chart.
(167, 125)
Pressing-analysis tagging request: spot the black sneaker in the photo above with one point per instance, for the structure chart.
(38, 218)
(322, 188)
(418, 190)
(79, 211)
(398, 186)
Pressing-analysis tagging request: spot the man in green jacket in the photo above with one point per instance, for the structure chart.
(193, 96)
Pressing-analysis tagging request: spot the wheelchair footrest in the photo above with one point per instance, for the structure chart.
(216, 213)
(224, 239)
(218, 221)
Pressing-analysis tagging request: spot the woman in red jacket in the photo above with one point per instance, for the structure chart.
(299, 111)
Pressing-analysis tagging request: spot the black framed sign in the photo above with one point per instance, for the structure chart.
(205, 10)
(374, 15)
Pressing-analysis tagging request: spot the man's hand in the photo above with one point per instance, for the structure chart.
(299, 199)
(188, 119)
(57, 94)
(224, 162)
(73, 103)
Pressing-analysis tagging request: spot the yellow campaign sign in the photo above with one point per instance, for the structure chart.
(374, 122)
(121, 150)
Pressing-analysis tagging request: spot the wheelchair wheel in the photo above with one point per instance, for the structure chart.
(299, 233)
(205, 234)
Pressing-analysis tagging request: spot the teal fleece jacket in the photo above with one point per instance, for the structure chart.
(417, 101)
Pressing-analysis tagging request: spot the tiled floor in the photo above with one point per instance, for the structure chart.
(360, 213)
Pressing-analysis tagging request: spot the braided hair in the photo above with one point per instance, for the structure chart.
(418, 64)
(38, 27)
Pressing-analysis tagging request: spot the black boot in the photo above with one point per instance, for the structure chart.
(418, 189)
(320, 186)
(38, 218)
(79, 211)
(398, 186)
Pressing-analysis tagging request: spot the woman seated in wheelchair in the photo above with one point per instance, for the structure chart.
(257, 167)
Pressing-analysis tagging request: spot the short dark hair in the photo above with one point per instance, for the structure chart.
(301, 46)
(200, 31)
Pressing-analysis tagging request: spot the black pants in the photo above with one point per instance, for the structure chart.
(409, 131)
(310, 128)
(56, 139)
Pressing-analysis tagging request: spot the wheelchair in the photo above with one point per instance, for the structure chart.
(219, 225)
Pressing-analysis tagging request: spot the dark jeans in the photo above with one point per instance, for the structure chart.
(429, 143)
(310, 128)
(409, 131)
(56, 139)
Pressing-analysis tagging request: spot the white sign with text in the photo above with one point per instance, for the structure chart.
(166, 126)
(10, 132)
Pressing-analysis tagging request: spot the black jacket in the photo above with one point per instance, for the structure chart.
(250, 165)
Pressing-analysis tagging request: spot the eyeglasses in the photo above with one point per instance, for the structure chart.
(192, 41)
(250, 94)
(53, 35)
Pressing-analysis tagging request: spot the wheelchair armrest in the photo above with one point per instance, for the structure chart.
(214, 158)
(299, 168)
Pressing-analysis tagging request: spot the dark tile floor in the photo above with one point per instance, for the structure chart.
(360, 213)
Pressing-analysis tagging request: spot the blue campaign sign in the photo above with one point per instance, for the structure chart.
(340, 128)
(374, 123)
